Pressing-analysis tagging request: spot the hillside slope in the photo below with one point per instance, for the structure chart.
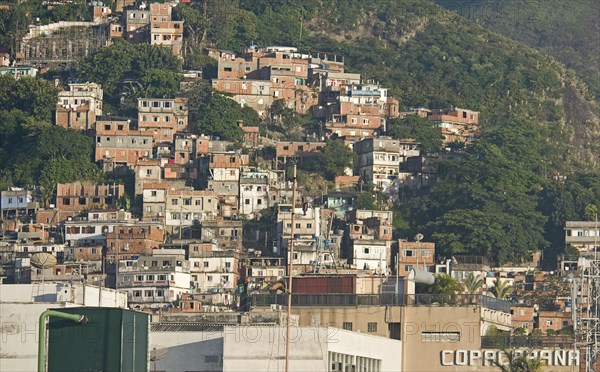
(566, 30)
(435, 58)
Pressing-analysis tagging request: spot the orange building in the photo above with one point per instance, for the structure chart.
(119, 144)
(415, 255)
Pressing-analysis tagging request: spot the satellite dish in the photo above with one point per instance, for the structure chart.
(419, 237)
(43, 260)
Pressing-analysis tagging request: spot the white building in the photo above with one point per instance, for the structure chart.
(217, 270)
(254, 192)
(16, 200)
(379, 160)
(307, 227)
(372, 255)
(262, 348)
(155, 280)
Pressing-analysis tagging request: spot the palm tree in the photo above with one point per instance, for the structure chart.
(445, 287)
(472, 283)
(518, 362)
(501, 289)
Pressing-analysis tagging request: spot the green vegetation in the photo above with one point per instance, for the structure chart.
(32, 151)
(473, 283)
(564, 30)
(501, 289)
(418, 128)
(444, 288)
(331, 162)
(132, 71)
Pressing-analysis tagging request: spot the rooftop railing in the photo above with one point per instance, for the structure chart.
(382, 299)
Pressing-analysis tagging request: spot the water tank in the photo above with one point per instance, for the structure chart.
(112, 340)
(420, 276)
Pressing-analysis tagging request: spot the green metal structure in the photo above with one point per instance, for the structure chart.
(112, 339)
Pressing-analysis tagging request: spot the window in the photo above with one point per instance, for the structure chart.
(407, 267)
(548, 322)
(228, 264)
(228, 69)
(347, 326)
(247, 201)
(408, 253)
(365, 121)
(187, 201)
(440, 336)
(309, 225)
(209, 278)
(259, 201)
(148, 208)
(174, 201)
(298, 225)
(372, 327)
(153, 193)
(367, 250)
(205, 263)
(154, 263)
(425, 253)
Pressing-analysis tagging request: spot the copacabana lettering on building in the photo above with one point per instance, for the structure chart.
(548, 357)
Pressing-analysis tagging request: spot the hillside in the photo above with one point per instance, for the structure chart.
(566, 30)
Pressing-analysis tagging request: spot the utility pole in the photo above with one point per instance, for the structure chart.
(290, 268)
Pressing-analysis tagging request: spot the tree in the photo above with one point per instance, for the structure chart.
(422, 130)
(514, 361)
(220, 116)
(334, 158)
(501, 289)
(445, 287)
(472, 283)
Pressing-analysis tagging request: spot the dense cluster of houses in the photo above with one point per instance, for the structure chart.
(202, 225)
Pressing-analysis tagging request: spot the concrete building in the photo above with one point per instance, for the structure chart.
(374, 255)
(17, 201)
(119, 144)
(306, 231)
(137, 25)
(379, 161)
(166, 33)
(154, 280)
(584, 236)
(79, 106)
(61, 43)
(455, 124)
(262, 347)
(415, 255)
(20, 309)
(80, 196)
(215, 270)
(226, 234)
(185, 209)
(162, 117)
(254, 191)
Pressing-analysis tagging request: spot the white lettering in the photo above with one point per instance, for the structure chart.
(546, 356)
(560, 357)
(461, 357)
(473, 356)
(574, 357)
(444, 353)
(489, 357)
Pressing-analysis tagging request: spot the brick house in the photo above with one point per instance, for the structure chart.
(78, 107)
